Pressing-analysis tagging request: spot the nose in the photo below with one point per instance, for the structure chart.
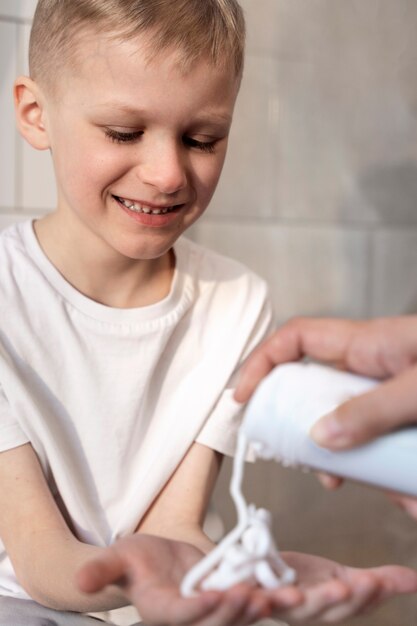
(163, 166)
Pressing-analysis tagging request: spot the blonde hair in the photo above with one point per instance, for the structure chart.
(214, 29)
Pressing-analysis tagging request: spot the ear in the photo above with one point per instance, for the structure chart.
(30, 112)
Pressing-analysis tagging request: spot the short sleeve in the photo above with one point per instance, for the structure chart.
(11, 434)
(221, 428)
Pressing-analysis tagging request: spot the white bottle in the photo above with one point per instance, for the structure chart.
(293, 397)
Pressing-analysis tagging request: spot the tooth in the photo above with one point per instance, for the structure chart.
(143, 209)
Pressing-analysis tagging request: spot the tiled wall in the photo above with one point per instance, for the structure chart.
(320, 185)
(319, 192)
(26, 179)
(319, 195)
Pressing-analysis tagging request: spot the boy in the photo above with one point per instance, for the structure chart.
(120, 342)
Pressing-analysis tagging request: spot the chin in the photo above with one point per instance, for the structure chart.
(143, 253)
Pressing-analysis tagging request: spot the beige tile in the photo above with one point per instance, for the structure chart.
(247, 183)
(7, 219)
(18, 8)
(347, 106)
(23, 51)
(38, 191)
(347, 152)
(267, 23)
(313, 28)
(8, 37)
(310, 270)
(394, 270)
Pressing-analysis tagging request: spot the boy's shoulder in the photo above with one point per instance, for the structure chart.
(14, 258)
(210, 266)
(11, 239)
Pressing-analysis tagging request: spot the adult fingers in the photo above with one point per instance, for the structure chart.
(324, 339)
(387, 407)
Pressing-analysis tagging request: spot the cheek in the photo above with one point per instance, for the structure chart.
(208, 175)
(85, 171)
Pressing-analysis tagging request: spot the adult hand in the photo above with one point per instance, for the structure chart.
(384, 348)
(149, 570)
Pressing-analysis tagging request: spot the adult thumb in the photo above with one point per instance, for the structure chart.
(387, 407)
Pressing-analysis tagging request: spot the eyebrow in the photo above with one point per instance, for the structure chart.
(120, 106)
(205, 118)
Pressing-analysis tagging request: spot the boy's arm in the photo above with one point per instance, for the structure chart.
(44, 552)
(179, 510)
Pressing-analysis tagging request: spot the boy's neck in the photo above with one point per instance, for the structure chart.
(100, 274)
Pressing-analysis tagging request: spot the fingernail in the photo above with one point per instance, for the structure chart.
(329, 432)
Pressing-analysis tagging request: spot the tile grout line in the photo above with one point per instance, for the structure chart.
(15, 20)
(20, 68)
(17, 151)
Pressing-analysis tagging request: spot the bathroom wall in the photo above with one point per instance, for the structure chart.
(319, 189)
(319, 196)
(26, 179)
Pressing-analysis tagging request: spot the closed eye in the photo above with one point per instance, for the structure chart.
(119, 137)
(203, 146)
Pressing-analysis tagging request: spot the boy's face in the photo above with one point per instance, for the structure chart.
(138, 146)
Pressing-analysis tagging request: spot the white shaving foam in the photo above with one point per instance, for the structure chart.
(248, 553)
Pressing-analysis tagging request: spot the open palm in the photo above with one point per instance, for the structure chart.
(150, 569)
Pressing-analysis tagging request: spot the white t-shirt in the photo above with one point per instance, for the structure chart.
(111, 399)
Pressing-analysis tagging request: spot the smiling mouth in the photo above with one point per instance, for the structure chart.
(142, 208)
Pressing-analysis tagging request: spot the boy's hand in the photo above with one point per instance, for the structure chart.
(149, 570)
(336, 592)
